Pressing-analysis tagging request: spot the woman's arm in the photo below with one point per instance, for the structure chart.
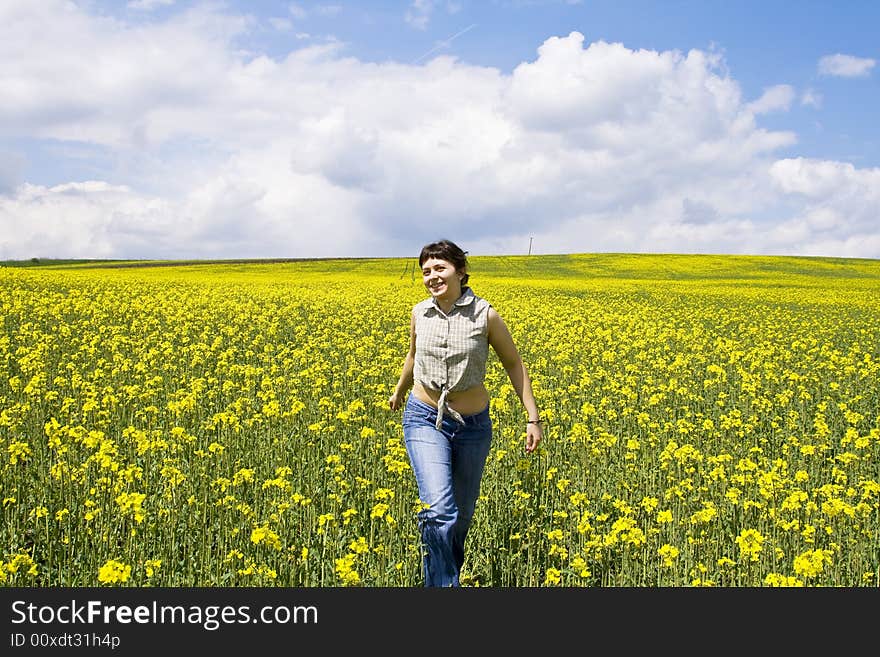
(406, 376)
(502, 343)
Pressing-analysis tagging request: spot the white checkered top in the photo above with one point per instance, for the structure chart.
(451, 349)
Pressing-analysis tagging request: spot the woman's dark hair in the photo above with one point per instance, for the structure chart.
(448, 251)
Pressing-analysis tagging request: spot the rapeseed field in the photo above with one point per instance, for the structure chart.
(710, 421)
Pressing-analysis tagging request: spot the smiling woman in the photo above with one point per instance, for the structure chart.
(446, 424)
(227, 424)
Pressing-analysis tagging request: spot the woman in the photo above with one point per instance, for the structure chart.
(446, 423)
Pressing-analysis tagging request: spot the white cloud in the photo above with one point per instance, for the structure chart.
(777, 98)
(419, 13)
(148, 5)
(71, 76)
(811, 98)
(586, 147)
(328, 10)
(822, 178)
(90, 220)
(841, 206)
(846, 66)
(297, 11)
(281, 24)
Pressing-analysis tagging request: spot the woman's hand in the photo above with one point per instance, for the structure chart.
(394, 401)
(534, 435)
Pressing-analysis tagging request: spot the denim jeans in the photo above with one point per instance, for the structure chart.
(448, 464)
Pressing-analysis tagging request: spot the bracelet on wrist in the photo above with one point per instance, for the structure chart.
(538, 421)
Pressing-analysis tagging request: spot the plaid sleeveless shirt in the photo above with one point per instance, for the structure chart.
(451, 349)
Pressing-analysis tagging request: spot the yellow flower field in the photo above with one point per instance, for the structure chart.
(711, 421)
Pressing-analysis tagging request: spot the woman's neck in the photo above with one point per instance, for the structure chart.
(446, 302)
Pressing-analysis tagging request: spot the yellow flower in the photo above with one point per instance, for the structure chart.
(750, 542)
(668, 553)
(777, 580)
(132, 502)
(242, 476)
(265, 536)
(38, 512)
(579, 564)
(812, 562)
(344, 568)
(324, 520)
(21, 561)
(18, 451)
(114, 572)
(384, 494)
(552, 577)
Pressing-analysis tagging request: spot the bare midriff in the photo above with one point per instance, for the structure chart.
(467, 402)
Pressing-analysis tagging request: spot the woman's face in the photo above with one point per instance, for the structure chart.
(441, 279)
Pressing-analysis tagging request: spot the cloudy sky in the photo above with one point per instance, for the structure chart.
(191, 129)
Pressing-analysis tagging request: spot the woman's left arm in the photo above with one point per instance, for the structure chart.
(502, 343)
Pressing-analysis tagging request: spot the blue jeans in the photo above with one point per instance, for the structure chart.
(448, 464)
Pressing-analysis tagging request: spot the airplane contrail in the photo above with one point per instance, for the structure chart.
(445, 43)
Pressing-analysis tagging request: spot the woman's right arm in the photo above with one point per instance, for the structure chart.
(406, 376)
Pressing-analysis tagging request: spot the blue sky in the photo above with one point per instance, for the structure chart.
(166, 129)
